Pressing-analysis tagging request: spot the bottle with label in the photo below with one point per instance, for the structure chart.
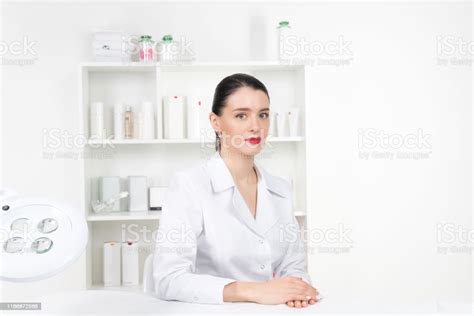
(146, 48)
(167, 49)
(128, 123)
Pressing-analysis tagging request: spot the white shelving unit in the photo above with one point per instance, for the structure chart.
(158, 159)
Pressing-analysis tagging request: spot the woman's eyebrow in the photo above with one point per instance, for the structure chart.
(249, 109)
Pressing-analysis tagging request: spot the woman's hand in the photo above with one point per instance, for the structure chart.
(284, 290)
(299, 304)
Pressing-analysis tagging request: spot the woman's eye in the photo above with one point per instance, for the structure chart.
(264, 115)
(240, 115)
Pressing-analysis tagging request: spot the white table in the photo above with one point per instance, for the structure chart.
(119, 302)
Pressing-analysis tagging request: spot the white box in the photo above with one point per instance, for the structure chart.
(130, 267)
(194, 107)
(138, 193)
(109, 187)
(157, 196)
(173, 117)
(111, 263)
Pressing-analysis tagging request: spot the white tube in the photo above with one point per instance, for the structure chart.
(193, 109)
(281, 120)
(118, 120)
(97, 120)
(293, 121)
(148, 118)
(159, 119)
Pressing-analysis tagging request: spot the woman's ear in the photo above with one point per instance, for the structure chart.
(214, 119)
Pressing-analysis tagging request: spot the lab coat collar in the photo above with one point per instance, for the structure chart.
(221, 177)
(268, 212)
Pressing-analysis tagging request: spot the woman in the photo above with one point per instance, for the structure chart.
(227, 231)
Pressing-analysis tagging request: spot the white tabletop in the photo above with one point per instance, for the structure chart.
(119, 302)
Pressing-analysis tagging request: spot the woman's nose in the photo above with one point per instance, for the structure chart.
(255, 124)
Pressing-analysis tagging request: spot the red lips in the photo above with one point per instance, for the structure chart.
(253, 140)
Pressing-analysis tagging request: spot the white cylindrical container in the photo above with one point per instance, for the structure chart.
(272, 127)
(173, 117)
(139, 125)
(159, 119)
(148, 120)
(281, 123)
(294, 121)
(193, 112)
(97, 124)
(118, 120)
(111, 263)
(130, 266)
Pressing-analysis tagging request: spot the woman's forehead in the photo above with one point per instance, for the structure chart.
(250, 98)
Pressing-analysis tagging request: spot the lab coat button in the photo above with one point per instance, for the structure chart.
(262, 266)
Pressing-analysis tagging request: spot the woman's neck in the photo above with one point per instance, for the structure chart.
(240, 166)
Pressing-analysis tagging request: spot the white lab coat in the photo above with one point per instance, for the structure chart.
(208, 238)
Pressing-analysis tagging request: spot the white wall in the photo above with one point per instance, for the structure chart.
(393, 84)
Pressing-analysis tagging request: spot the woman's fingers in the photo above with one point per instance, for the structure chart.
(298, 304)
(291, 303)
(311, 301)
(304, 303)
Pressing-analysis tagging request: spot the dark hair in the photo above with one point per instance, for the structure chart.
(228, 86)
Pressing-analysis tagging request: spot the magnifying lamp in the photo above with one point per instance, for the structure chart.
(39, 238)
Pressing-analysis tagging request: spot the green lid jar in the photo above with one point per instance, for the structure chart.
(283, 24)
(145, 38)
(167, 38)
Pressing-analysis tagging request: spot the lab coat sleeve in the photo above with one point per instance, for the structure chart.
(294, 260)
(176, 244)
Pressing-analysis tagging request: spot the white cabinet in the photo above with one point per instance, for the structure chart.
(158, 159)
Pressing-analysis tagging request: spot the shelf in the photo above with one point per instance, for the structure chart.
(179, 141)
(124, 216)
(140, 216)
(190, 66)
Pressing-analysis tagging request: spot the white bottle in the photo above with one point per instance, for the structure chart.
(194, 106)
(285, 52)
(139, 125)
(281, 123)
(148, 120)
(272, 127)
(111, 263)
(130, 266)
(97, 129)
(294, 121)
(159, 119)
(173, 117)
(118, 121)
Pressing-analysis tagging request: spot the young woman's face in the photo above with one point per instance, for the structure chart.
(244, 121)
